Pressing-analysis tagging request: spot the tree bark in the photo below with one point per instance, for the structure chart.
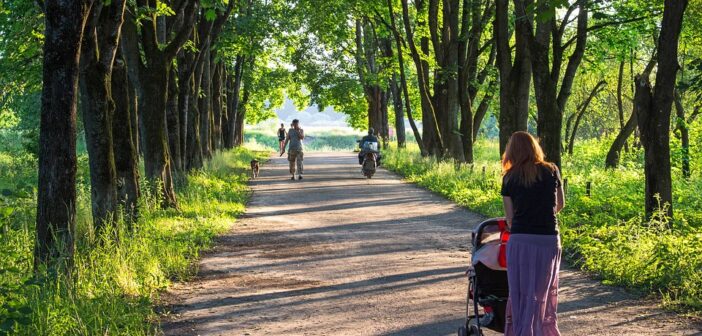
(681, 125)
(241, 118)
(400, 132)
(217, 107)
(654, 107)
(228, 87)
(154, 128)
(154, 81)
(173, 120)
(226, 78)
(205, 106)
(546, 61)
(56, 194)
(125, 154)
(515, 75)
(99, 47)
(129, 50)
(233, 111)
(620, 101)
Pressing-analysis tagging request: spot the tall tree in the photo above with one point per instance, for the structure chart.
(654, 106)
(56, 194)
(614, 153)
(154, 72)
(431, 133)
(99, 48)
(403, 78)
(369, 72)
(515, 72)
(552, 85)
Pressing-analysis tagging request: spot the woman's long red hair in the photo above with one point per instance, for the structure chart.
(522, 158)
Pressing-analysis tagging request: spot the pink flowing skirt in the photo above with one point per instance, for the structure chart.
(533, 262)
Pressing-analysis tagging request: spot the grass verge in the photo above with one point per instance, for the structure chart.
(603, 233)
(115, 283)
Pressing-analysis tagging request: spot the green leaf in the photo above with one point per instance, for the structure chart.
(210, 14)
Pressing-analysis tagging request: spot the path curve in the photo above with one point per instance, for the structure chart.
(336, 254)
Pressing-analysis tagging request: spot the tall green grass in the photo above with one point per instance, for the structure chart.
(116, 282)
(603, 233)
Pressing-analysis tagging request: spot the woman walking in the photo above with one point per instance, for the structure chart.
(281, 138)
(532, 193)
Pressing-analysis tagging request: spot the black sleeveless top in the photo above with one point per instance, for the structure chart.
(534, 206)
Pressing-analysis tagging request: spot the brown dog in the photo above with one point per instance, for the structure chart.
(254, 168)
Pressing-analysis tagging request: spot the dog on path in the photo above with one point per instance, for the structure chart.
(254, 168)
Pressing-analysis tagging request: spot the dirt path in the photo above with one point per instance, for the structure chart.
(336, 254)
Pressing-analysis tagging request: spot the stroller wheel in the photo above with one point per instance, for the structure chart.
(462, 331)
(474, 331)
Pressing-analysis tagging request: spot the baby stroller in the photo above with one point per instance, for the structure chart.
(487, 279)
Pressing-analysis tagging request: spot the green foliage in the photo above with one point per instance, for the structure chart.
(115, 283)
(603, 233)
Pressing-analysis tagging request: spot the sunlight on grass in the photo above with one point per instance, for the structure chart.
(116, 282)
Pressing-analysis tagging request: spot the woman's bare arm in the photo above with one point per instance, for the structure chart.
(509, 210)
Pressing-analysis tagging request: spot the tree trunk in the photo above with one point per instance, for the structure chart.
(241, 118)
(227, 136)
(432, 141)
(217, 107)
(157, 159)
(205, 106)
(620, 101)
(185, 78)
(129, 50)
(56, 193)
(515, 76)
(234, 104)
(581, 112)
(654, 107)
(99, 47)
(682, 126)
(125, 154)
(630, 127)
(613, 155)
(154, 79)
(399, 113)
(481, 111)
(552, 86)
(403, 79)
(195, 157)
(173, 121)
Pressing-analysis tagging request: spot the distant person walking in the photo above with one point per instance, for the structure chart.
(295, 150)
(281, 138)
(532, 194)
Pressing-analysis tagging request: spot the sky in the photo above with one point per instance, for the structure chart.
(311, 116)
